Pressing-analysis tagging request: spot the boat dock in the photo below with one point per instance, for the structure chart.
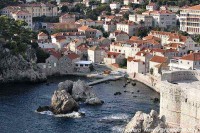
(107, 78)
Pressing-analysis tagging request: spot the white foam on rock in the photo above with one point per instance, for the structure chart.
(116, 117)
(68, 115)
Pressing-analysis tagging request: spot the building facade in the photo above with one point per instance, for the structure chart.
(190, 19)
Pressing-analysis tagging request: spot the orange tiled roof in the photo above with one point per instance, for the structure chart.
(73, 56)
(130, 59)
(42, 34)
(191, 57)
(158, 59)
(134, 38)
(196, 7)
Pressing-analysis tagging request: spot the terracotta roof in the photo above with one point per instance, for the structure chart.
(174, 45)
(84, 28)
(158, 50)
(130, 59)
(158, 59)
(115, 65)
(54, 53)
(134, 38)
(140, 53)
(191, 57)
(196, 7)
(151, 4)
(117, 32)
(94, 48)
(21, 12)
(149, 37)
(115, 54)
(42, 34)
(82, 47)
(68, 16)
(73, 56)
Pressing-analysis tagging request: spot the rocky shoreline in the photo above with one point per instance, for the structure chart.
(17, 68)
(147, 123)
(65, 99)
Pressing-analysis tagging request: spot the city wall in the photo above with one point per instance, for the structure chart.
(180, 105)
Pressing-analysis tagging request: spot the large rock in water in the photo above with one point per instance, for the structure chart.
(66, 85)
(82, 92)
(62, 102)
(146, 123)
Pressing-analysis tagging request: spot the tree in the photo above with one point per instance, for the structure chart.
(18, 39)
(142, 32)
(123, 63)
(64, 9)
(151, 71)
(126, 16)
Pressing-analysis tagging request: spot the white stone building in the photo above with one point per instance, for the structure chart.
(105, 1)
(113, 57)
(119, 35)
(67, 18)
(96, 54)
(127, 2)
(186, 62)
(24, 16)
(168, 37)
(151, 6)
(135, 66)
(156, 63)
(128, 27)
(163, 18)
(40, 9)
(146, 20)
(189, 19)
(109, 26)
(115, 5)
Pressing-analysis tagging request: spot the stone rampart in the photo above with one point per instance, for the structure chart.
(180, 100)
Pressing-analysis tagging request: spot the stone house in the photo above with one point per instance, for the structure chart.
(157, 64)
(135, 66)
(151, 6)
(96, 54)
(145, 20)
(119, 35)
(163, 18)
(109, 26)
(67, 18)
(65, 65)
(113, 57)
(115, 5)
(83, 66)
(40, 9)
(128, 27)
(23, 16)
(90, 32)
(190, 61)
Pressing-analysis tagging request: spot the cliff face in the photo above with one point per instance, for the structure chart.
(18, 68)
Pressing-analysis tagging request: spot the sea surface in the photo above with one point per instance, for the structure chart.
(19, 102)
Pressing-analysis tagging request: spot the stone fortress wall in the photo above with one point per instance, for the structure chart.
(181, 104)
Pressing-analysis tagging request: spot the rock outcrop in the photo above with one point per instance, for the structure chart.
(18, 68)
(65, 98)
(62, 102)
(82, 92)
(146, 123)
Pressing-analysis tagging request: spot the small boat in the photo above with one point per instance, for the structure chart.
(134, 84)
(117, 93)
